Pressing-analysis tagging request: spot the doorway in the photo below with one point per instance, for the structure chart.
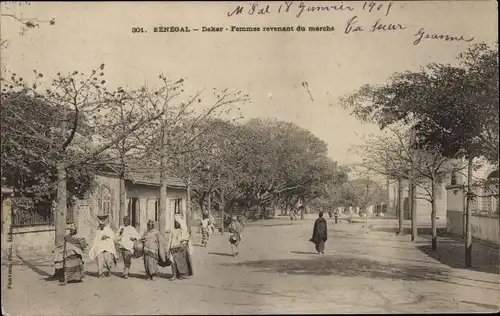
(133, 212)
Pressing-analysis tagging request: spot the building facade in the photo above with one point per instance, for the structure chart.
(424, 207)
(485, 220)
(35, 233)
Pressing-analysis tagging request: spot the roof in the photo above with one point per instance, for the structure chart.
(149, 178)
(153, 179)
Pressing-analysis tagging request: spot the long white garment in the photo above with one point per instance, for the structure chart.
(100, 245)
(180, 234)
(124, 239)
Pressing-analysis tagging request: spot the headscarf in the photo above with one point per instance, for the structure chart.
(102, 219)
(184, 234)
(182, 222)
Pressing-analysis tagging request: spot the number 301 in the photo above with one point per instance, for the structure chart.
(137, 30)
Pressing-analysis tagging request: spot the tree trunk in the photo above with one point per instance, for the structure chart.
(222, 212)
(433, 215)
(413, 194)
(162, 226)
(188, 206)
(123, 199)
(468, 218)
(61, 207)
(400, 207)
(413, 203)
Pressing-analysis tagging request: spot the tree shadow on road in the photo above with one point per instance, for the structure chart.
(220, 254)
(351, 267)
(452, 254)
(34, 267)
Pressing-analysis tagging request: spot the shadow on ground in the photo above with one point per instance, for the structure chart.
(452, 254)
(351, 267)
(407, 230)
(220, 254)
(34, 267)
(304, 252)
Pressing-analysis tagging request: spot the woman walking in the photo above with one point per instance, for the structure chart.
(153, 249)
(235, 230)
(320, 234)
(73, 256)
(126, 237)
(205, 233)
(180, 250)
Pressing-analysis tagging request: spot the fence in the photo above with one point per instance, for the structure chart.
(27, 213)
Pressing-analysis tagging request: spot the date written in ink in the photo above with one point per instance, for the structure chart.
(138, 30)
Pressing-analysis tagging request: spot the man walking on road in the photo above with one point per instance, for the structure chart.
(320, 234)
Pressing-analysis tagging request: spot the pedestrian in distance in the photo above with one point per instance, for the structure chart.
(236, 231)
(205, 233)
(320, 234)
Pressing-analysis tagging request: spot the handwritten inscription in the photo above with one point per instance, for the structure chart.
(422, 34)
(310, 8)
(355, 24)
(299, 8)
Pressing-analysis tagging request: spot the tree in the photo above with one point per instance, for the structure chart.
(451, 108)
(9, 12)
(76, 98)
(179, 125)
(392, 155)
(29, 148)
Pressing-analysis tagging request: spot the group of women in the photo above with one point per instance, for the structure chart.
(172, 249)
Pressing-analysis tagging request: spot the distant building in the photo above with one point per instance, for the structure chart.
(424, 207)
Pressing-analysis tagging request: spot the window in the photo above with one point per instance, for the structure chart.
(106, 201)
(157, 209)
(177, 206)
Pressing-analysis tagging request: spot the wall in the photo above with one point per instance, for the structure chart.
(424, 207)
(147, 195)
(486, 228)
(483, 227)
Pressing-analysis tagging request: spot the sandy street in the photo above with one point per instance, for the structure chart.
(276, 271)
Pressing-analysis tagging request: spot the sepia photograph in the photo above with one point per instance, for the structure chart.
(249, 157)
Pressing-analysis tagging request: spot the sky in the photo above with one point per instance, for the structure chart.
(270, 66)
